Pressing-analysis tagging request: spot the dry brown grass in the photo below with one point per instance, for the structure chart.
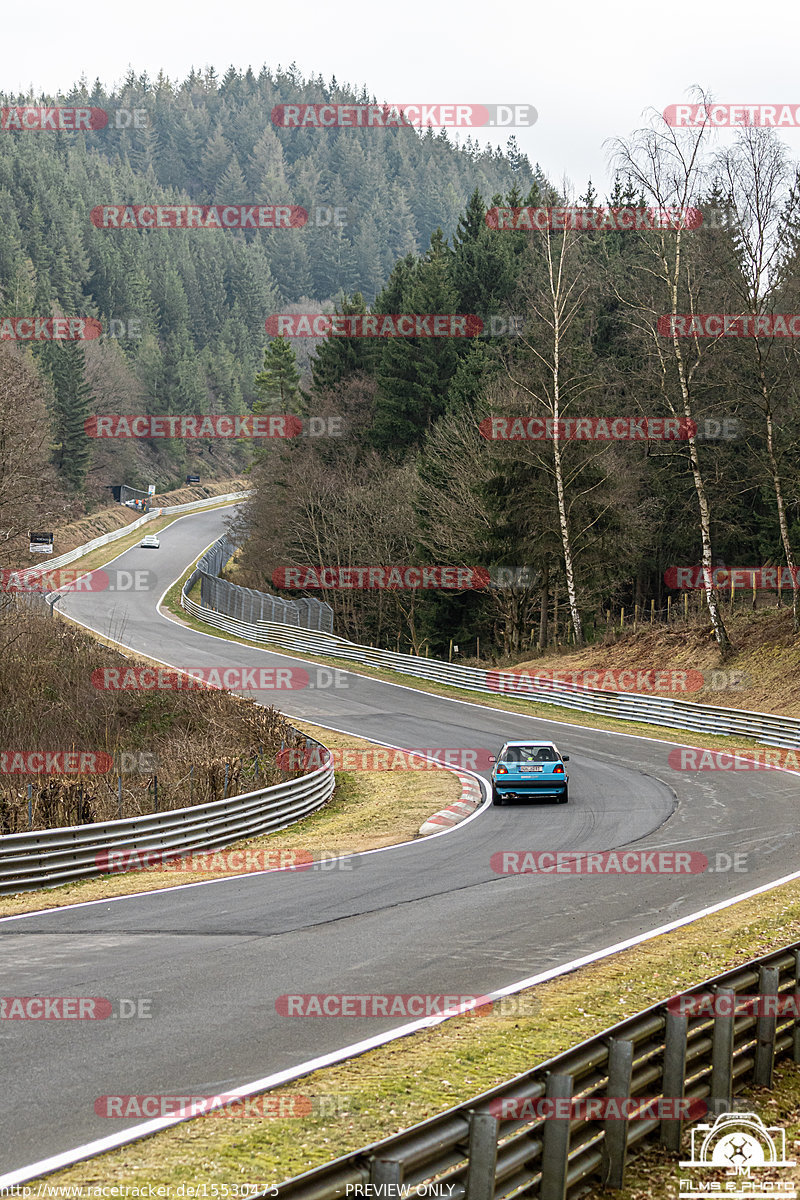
(51, 704)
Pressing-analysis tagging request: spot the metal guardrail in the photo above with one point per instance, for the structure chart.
(624, 706)
(49, 857)
(657, 1053)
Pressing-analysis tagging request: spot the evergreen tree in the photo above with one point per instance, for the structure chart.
(71, 408)
(278, 383)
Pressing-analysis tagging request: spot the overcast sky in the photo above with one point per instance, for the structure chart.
(590, 69)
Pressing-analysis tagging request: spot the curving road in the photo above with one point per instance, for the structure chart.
(429, 916)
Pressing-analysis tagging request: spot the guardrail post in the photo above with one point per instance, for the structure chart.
(387, 1174)
(615, 1139)
(722, 1054)
(481, 1155)
(765, 1029)
(555, 1143)
(673, 1079)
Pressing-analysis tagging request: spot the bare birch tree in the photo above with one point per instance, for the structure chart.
(757, 178)
(667, 166)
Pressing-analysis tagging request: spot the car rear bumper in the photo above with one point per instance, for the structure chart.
(527, 787)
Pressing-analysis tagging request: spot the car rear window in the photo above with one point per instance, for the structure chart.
(528, 754)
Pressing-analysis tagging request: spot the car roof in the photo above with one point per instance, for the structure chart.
(529, 742)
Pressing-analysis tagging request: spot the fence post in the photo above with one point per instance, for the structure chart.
(155, 793)
(765, 1029)
(119, 796)
(481, 1156)
(387, 1175)
(669, 609)
(615, 1140)
(673, 1080)
(686, 606)
(555, 1143)
(722, 1053)
(622, 618)
(652, 611)
(30, 806)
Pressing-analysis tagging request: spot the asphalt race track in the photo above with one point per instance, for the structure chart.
(430, 916)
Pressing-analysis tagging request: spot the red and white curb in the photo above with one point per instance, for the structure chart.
(459, 810)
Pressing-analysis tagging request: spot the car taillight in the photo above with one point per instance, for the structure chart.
(502, 770)
(559, 770)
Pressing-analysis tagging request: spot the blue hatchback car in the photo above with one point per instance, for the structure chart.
(523, 769)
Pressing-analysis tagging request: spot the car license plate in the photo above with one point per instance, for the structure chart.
(530, 767)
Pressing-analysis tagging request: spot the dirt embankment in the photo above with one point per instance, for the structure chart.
(682, 662)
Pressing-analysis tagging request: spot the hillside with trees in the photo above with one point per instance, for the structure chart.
(190, 305)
